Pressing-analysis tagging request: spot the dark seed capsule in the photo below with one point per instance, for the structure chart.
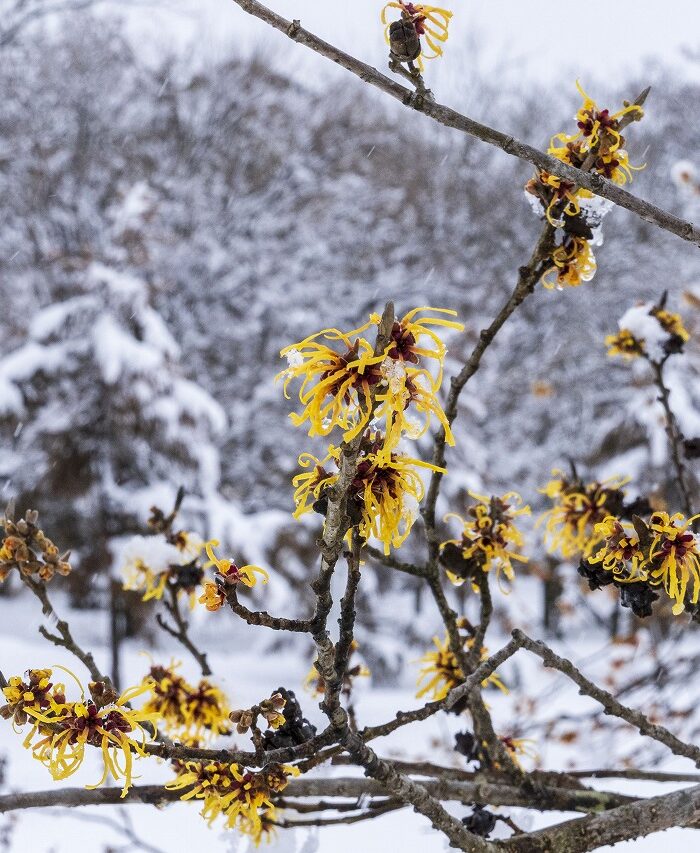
(404, 42)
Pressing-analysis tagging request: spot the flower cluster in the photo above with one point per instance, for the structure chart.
(228, 575)
(570, 526)
(61, 730)
(242, 797)
(356, 389)
(26, 547)
(489, 538)
(383, 497)
(174, 560)
(442, 671)
(597, 146)
(152, 563)
(663, 552)
(185, 711)
(418, 21)
(649, 331)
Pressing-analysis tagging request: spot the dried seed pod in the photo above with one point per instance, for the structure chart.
(404, 42)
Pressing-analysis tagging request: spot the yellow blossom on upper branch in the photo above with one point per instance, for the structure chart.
(418, 22)
(241, 797)
(442, 672)
(489, 538)
(383, 497)
(61, 730)
(598, 147)
(570, 525)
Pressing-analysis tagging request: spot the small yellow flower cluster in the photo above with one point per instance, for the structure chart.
(418, 21)
(27, 548)
(61, 730)
(662, 553)
(348, 390)
(442, 672)
(152, 563)
(228, 574)
(175, 561)
(489, 538)
(597, 146)
(655, 333)
(241, 796)
(184, 711)
(570, 526)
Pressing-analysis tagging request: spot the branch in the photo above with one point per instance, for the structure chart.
(392, 562)
(66, 639)
(634, 820)
(610, 705)
(450, 118)
(408, 791)
(675, 439)
(180, 632)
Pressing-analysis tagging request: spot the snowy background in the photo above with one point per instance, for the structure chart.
(183, 192)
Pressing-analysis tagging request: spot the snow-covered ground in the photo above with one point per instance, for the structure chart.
(247, 673)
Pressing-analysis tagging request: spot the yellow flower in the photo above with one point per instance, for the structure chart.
(230, 572)
(519, 747)
(574, 263)
(241, 797)
(213, 598)
(337, 388)
(598, 133)
(648, 320)
(383, 496)
(185, 711)
(442, 672)
(673, 559)
(118, 731)
(620, 547)
(625, 344)
(489, 536)
(671, 323)
(570, 525)
(431, 24)
(36, 693)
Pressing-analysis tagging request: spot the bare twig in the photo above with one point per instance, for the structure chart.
(65, 637)
(675, 439)
(180, 631)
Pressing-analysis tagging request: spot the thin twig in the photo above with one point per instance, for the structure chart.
(66, 639)
(675, 439)
(180, 631)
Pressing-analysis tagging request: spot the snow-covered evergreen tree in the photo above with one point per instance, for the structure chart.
(99, 421)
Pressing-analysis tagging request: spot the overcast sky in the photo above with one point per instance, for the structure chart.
(540, 39)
